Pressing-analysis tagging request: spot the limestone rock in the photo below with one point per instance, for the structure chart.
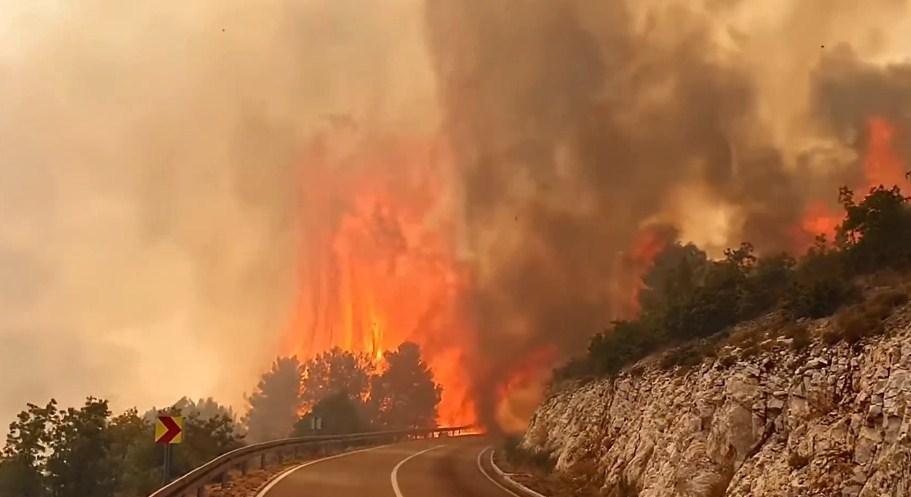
(829, 421)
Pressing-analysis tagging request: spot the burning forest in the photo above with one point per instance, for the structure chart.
(575, 142)
(488, 180)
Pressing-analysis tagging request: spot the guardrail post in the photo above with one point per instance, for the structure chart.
(225, 478)
(201, 490)
(262, 461)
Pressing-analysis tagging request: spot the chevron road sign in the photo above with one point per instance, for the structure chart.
(169, 430)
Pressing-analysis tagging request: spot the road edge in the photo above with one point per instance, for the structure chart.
(513, 483)
(278, 477)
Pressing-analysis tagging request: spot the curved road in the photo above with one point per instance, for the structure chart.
(441, 467)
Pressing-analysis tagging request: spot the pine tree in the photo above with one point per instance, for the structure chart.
(275, 404)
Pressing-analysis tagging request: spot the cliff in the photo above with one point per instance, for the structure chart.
(827, 420)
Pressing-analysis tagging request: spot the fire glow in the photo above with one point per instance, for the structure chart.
(378, 264)
(881, 166)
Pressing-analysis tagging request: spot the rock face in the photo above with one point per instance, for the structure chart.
(828, 421)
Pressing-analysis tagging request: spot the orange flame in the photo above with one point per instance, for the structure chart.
(379, 266)
(881, 164)
(523, 388)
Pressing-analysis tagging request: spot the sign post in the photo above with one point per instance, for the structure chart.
(168, 432)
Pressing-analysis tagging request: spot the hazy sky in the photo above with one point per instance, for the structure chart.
(149, 181)
(153, 156)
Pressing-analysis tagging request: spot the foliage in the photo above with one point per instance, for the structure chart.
(138, 461)
(799, 335)
(626, 341)
(338, 414)
(204, 439)
(275, 403)
(25, 454)
(333, 372)
(821, 284)
(876, 233)
(404, 395)
(85, 452)
(78, 463)
(688, 297)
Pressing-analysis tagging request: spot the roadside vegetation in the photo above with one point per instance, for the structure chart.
(690, 302)
(89, 452)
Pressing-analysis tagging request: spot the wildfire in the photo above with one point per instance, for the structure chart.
(379, 266)
(523, 388)
(882, 165)
(646, 245)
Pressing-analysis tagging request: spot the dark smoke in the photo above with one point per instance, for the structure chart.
(573, 124)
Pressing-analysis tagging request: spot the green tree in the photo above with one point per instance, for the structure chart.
(205, 439)
(333, 372)
(276, 402)
(24, 457)
(624, 342)
(673, 277)
(820, 284)
(78, 464)
(404, 395)
(876, 233)
(338, 413)
(133, 453)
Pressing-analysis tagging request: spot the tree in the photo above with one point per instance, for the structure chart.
(137, 459)
(673, 276)
(333, 372)
(876, 232)
(204, 408)
(206, 439)
(404, 395)
(24, 456)
(275, 404)
(338, 413)
(78, 463)
(625, 342)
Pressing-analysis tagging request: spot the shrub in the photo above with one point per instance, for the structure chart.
(832, 336)
(858, 322)
(800, 337)
(685, 356)
(891, 298)
(818, 298)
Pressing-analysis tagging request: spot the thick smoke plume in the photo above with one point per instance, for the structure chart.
(152, 182)
(187, 190)
(580, 126)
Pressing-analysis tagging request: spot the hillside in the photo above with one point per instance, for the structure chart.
(769, 417)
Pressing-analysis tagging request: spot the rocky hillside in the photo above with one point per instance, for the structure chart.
(829, 419)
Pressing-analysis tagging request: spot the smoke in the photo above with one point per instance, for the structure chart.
(578, 125)
(151, 182)
(185, 189)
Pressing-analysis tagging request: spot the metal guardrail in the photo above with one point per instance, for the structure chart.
(257, 455)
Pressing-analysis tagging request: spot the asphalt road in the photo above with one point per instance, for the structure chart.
(442, 467)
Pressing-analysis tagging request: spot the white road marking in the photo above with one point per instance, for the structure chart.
(394, 476)
(282, 476)
(487, 475)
